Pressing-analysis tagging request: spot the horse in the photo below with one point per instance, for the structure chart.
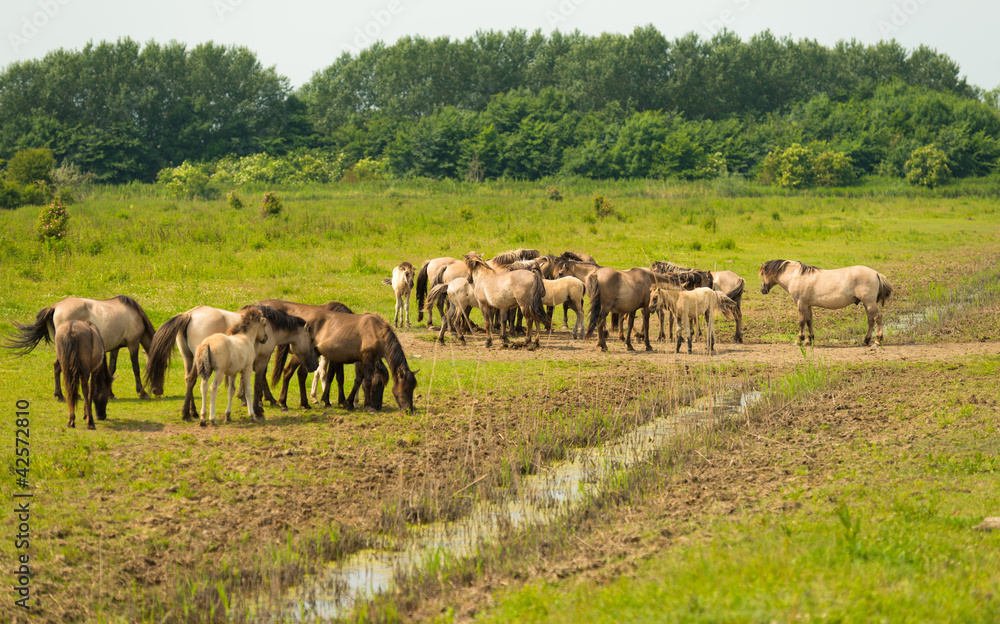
(120, 320)
(732, 285)
(503, 290)
(680, 277)
(431, 273)
(831, 289)
(401, 282)
(569, 292)
(189, 329)
(690, 305)
(345, 338)
(461, 297)
(80, 353)
(229, 354)
(619, 292)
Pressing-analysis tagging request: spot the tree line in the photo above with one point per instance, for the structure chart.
(511, 104)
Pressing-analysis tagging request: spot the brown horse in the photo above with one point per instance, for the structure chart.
(344, 338)
(80, 353)
(498, 290)
(831, 289)
(120, 320)
(189, 329)
(623, 293)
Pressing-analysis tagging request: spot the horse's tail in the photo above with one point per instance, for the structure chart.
(280, 355)
(160, 352)
(387, 281)
(884, 289)
(203, 361)
(435, 295)
(596, 311)
(737, 293)
(421, 290)
(727, 305)
(29, 335)
(70, 360)
(535, 305)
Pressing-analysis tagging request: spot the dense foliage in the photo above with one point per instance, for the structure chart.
(499, 105)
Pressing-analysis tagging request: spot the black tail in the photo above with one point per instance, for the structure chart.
(421, 290)
(596, 313)
(736, 294)
(280, 355)
(160, 352)
(535, 307)
(728, 307)
(884, 289)
(28, 336)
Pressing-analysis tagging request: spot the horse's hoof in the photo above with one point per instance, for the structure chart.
(105, 417)
(143, 396)
(284, 408)
(71, 426)
(92, 427)
(203, 423)
(649, 348)
(186, 418)
(60, 399)
(306, 406)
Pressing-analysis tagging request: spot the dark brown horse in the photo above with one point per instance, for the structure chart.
(344, 338)
(120, 320)
(80, 353)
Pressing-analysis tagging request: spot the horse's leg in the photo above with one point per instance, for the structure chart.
(188, 411)
(488, 322)
(339, 372)
(328, 374)
(112, 366)
(690, 333)
(204, 401)
(679, 338)
(709, 332)
(738, 316)
(283, 397)
(259, 382)
(133, 354)
(663, 334)
(251, 408)
(319, 374)
(58, 394)
(88, 411)
(231, 390)
(406, 307)
(303, 396)
(566, 308)
(602, 335)
(871, 326)
(645, 323)
(878, 320)
(804, 316)
(215, 393)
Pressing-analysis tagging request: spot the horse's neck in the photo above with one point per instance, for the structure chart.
(785, 278)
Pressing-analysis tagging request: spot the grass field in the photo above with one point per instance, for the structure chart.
(152, 519)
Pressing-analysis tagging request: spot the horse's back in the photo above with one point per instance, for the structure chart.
(206, 321)
(87, 340)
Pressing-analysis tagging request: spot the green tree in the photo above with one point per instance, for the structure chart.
(31, 166)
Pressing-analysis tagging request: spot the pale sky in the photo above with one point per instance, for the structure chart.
(300, 37)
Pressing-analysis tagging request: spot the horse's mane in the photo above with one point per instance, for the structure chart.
(251, 315)
(525, 265)
(808, 268)
(569, 255)
(405, 265)
(133, 305)
(667, 267)
(393, 349)
(773, 268)
(509, 257)
(278, 319)
(472, 259)
(336, 306)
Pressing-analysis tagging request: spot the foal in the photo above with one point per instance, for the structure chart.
(80, 355)
(402, 283)
(228, 355)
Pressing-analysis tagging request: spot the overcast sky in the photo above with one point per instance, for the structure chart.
(304, 36)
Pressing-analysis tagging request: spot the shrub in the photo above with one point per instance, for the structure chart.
(466, 214)
(270, 205)
(602, 207)
(52, 221)
(234, 201)
(68, 176)
(554, 193)
(37, 194)
(798, 167)
(832, 169)
(10, 195)
(368, 169)
(188, 181)
(928, 166)
(31, 166)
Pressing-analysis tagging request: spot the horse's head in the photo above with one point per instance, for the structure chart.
(403, 387)
(767, 280)
(102, 391)
(407, 269)
(261, 330)
(379, 380)
(659, 296)
(302, 346)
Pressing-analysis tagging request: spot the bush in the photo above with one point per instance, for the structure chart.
(68, 176)
(270, 205)
(799, 167)
(234, 201)
(52, 221)
(832, 169)
(37, 194)
(554, 193)
(928, 166)
(31, 166)
(603, 207)
(10, 195)
(188, 181)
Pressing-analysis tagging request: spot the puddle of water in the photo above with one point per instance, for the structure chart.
(540, 498)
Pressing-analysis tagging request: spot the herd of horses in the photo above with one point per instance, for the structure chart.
(522, 286)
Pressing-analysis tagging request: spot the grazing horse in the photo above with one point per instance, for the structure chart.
(461, 297)
(831, 289)
(120, 320)
(189, 329)
(346, 338)
(497, 291)
(620, 292)
(401, 282)
(688, 306)
(80, 353)
(432, 273)
(229, 354)
(569, 292)
(731, 285)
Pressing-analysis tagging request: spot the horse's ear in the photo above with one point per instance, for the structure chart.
(415, 371)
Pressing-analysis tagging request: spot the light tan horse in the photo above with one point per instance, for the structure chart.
(831, 289)
(433, 272)
(401, 282)
(497, 291)
(120, 320)
(567, 291)
(228, 355)
(680, 277)
(732, 286)
(461, 297)
(80, 353)
(688, 306)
